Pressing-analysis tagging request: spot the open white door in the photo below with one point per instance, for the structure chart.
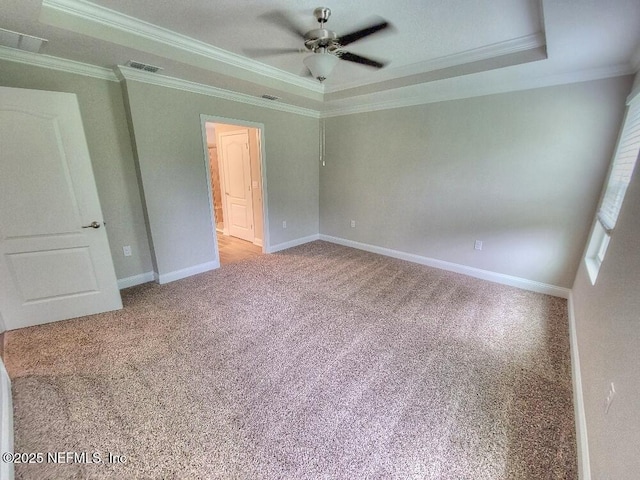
(55, 261)
(234, 148)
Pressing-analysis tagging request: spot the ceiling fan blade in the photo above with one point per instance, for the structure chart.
(284, 21)
(266, 52)
(352, 57)
(345, 40)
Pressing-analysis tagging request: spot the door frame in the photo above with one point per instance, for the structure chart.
(204, 119)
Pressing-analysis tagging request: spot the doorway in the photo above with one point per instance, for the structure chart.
(234, 159)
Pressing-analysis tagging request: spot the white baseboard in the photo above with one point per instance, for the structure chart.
(292, 243)
(518, 282)
(6, 422)
(257, 242)
(136, 280)
(187, 272)
(584, 469)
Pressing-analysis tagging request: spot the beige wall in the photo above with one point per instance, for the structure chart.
(607, 317)
(105, 125)
(167, 133)
(520, 171)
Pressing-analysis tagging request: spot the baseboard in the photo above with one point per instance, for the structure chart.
(257, 242)
(186, 272)
(136, 280)
(518, 282)
(292, 243)
(584, 469)
(6, 422)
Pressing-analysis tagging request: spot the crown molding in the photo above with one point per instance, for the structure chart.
(111, 19)
(122, 73)
(508, 47)
(128, 73)
(56, 63)
(485, 89)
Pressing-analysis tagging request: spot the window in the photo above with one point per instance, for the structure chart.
(623, 162)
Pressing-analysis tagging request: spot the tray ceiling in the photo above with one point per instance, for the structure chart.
(435, 45)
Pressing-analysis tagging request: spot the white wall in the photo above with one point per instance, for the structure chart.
(520, 171)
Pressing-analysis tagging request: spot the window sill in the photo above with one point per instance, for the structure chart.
(593, 267)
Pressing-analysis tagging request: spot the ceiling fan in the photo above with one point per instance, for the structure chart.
(325, 45)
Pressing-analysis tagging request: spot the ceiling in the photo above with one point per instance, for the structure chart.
(436, 49)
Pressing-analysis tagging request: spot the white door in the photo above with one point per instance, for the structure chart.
(234, 148)
(55, 260)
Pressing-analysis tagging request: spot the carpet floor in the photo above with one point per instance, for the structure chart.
(319, 362)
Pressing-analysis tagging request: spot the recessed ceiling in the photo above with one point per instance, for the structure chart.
(422, 31)
(433, 45)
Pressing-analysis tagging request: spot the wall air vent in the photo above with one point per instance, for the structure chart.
(21, 41)
(270, 97)
(143, 66)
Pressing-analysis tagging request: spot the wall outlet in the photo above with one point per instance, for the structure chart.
(126, 250)
(284, 224)
(610, 396)
(353, 224)
(478, 245)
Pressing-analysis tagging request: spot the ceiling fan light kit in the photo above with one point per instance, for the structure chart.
(320, 65)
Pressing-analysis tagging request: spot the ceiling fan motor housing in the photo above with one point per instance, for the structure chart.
(321, 38)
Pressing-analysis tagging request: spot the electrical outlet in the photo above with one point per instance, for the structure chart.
(284, 224)
(610, 396)
(353, 224)
(126, 250)
(478, 245)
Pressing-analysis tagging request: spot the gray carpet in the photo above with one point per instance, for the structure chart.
(320, 362)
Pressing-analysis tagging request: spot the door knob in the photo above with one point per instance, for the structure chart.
(92, 225)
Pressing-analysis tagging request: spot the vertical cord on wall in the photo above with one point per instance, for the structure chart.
(322, 160)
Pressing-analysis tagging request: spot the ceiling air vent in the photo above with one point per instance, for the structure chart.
(143, 66)
(270, 97)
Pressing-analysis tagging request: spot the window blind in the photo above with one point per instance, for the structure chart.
(623, 162)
